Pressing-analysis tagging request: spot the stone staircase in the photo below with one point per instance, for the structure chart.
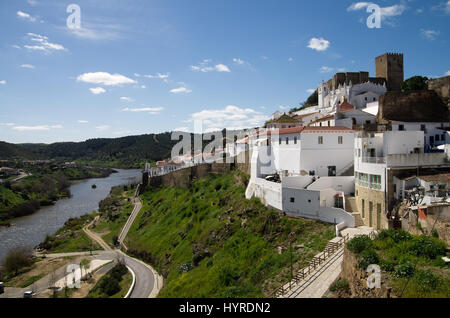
(350, 207)
(358, 219)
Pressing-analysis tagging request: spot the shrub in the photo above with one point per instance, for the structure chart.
(404, 270)
(426, 280)
(367, 257)
(429, 247)
(387, 265)
(340, 285)
(16, 259)
(359, 244)
(396, 236)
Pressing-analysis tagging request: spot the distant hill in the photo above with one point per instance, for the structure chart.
(131, 151)
(11, 151)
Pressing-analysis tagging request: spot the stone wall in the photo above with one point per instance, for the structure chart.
(357, 279)
(183, 177)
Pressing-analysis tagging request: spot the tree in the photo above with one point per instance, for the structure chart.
(312, 100)
(415, 83)
(16, 259)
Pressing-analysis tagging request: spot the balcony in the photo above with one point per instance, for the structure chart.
(373, 159)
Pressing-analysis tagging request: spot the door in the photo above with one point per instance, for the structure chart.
(332, 171)
(378, 216)
(371, 214)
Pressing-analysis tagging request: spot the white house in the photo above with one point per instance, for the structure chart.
(359, 95)
(379, 157)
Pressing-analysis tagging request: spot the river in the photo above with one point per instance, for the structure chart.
(31, 230)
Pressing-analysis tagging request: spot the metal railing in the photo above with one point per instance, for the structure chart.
(317, 260)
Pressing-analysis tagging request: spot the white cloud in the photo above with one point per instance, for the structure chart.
(27, 66)
(318, 44)
(144, 109)
(25, 16)
(16, 46)
(158, 75)
(283, 107)
(238, 61)
(32, 2)
(143, 86)
(222, 68)
(82, 121)
(429, 34)
(182, 129)
(7, 124)
(43, 44)
(290, 59)
(205, 67)
(105, 78)
(127, 99)
(443, 7)
(386, 12)
(2, 82)
(447, 73)
(102, 127)
(326, 69)
(311, 90)
(230, 117)
(180, 90)
(97, 90)
(37, 128)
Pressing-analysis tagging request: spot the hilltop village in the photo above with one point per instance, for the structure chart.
(368, 155)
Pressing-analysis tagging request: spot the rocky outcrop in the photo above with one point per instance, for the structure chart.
(413, 106)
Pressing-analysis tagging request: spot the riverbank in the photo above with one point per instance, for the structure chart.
(44, 187)
(32, 229)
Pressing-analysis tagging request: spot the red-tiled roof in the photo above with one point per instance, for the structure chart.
(345, 107)
(323, 119)
(311, 129)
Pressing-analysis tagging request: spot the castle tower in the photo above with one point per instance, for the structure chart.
(390, 67)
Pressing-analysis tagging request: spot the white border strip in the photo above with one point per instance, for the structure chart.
(132, 283)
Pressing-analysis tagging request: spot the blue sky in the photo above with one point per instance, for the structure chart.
(145, 66)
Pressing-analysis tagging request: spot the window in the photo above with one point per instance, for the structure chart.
(309, 201)
(401, 127)
(287, 140)
(292, 200)
(320, 140)
(328, 123)
(359, 153)
(365, 98)
(280, 141)
(320, 124)
(436, 137)
(422, 127)
(295, 140)
(374, 99)
(340, 140)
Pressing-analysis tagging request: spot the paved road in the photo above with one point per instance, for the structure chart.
(95, 237)
(145, 280)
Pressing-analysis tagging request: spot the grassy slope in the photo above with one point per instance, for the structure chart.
(111, 224)
(175, 224)
(397, 252)
(71, 238)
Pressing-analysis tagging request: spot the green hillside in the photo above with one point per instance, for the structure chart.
(126, 152)
(209, 241)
